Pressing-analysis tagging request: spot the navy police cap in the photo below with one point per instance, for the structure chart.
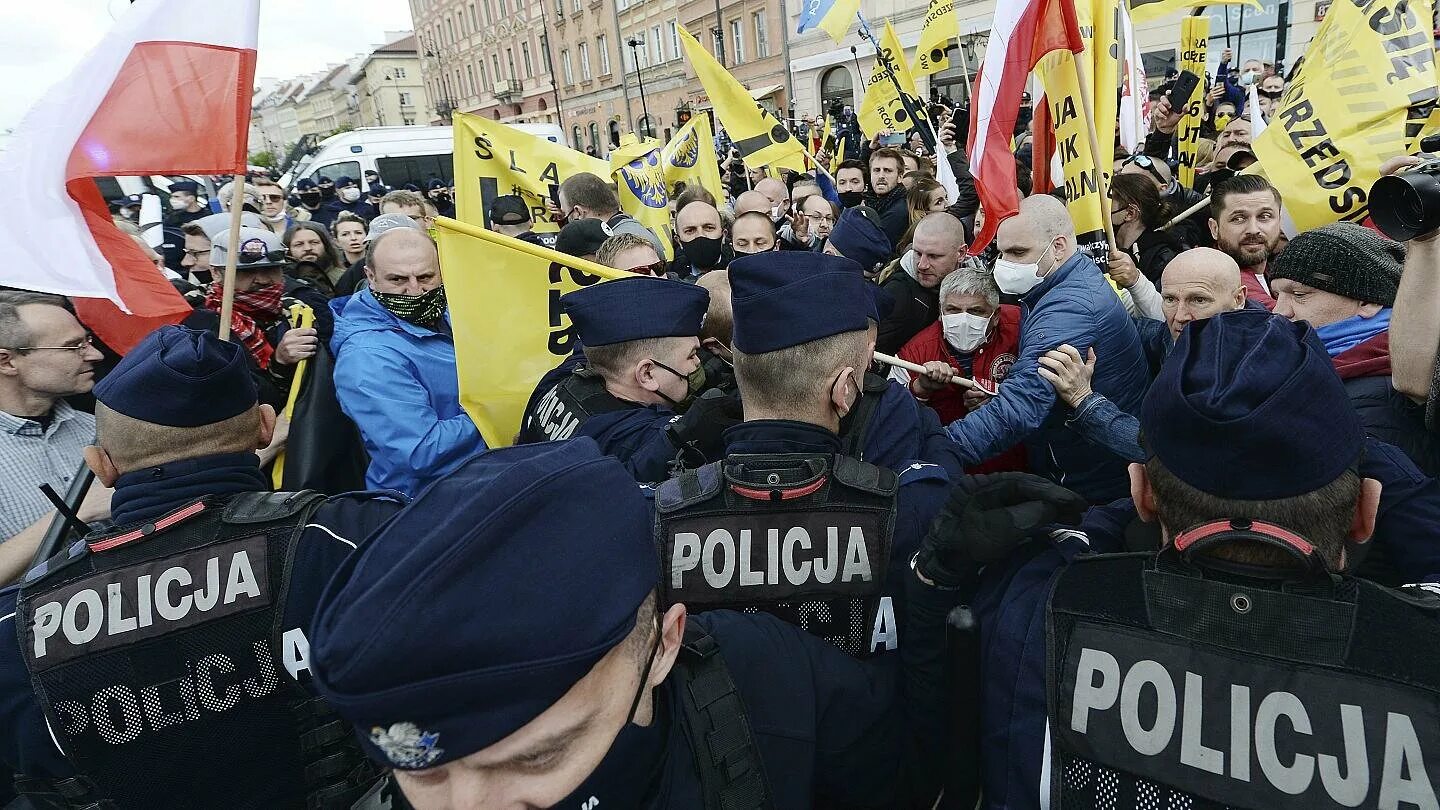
(1248, 406)
(180, 377)
(484, 601)
(636, 309)
(185, 185)
(782, 299)
(857, 237)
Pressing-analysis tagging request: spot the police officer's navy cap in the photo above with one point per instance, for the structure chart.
(435, 183)
(858, 238)
(484, 601)
(1248, 406)
(186, 185)
(635, 309)
(180, 377)
(782, 299)
(305, 185)
(345, 181)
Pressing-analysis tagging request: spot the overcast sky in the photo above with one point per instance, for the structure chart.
(42, 40)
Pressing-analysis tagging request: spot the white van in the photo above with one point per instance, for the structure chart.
(399, 154)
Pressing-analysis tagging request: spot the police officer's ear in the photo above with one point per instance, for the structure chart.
(844, 391)
(99, 463)
(646, 375)
(672, 634)
(1142, 494)
(1366, 507)
(267, 427)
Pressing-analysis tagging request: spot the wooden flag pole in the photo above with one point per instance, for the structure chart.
(1082, 73)
(1183, 215)
(918, 369)
(232, 251)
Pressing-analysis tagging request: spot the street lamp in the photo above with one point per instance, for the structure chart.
(640, 75)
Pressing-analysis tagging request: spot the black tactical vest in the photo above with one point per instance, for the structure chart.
(561, 412)
(1171, 683)
(804, 537)
(159, 659)
(855, 427)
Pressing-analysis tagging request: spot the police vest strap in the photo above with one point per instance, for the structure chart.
(1199, 539)
(108, 542)
(857, 423)
(264, 507)
(732, 775)
(75, 793)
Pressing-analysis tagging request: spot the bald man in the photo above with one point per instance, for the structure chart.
(1199, 284)
(395, 366)
(752, 202)
(1064, 298)
(702, 241)
(939, 244)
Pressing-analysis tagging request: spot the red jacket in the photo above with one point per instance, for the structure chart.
(991, 362)
(1255, 289)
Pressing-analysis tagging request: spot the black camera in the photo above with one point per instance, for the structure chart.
(1407, 205)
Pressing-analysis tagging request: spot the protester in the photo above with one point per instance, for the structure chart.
(1137, 214)
(702, 241)
(45, 356)
(395, 366)
(189, 497)
(1199, 284)
(976, 338)
(751, 202)
(1342, 280)
(276, 215)
(850, 183)
(631, 253)
(1415, 331)
(511, 216)
(349, 233)
(185, 205)
(886, 195)
(585, 196)
(1245, 222)
(820, 216)
(316, 258)
(582, 238)
(404, 202)
(1064, 299)
(939, 244)
(752, 232)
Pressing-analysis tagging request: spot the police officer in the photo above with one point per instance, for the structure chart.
(641, 369)
(160, 664)
(1241, 665)
(819, 538)
(548, 673)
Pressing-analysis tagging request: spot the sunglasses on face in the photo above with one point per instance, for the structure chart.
(656, 269)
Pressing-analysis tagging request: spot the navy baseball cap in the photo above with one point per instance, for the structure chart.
(859, 239)
(305, 185)
(785, 298)
(1248, 406)
(204, 380)
(345, 181)
(509, 209)
(635, 309)
(189, 186)
(442, 634)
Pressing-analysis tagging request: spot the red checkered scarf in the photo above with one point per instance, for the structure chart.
(260, 305)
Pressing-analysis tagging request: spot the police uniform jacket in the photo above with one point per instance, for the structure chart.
(636, 436)
(334, 529)
(902, 431)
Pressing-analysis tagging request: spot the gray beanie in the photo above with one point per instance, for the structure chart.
(1345, 259)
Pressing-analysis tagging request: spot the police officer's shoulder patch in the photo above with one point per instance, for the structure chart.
(918, 471)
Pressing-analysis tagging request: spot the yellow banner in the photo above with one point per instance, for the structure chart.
(1194, 38)
(689, 158)
(837, 156)
(639, 174)
(492, 160)
(1072, 142)
(941, 28)
(504, 299)
(882, 108)
(1102, 46)
(761, 139)
(1364, 93)
(300, 316)
(1144, 11)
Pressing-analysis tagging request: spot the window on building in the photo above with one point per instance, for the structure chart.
(450, 25)
(579, 140)
(474, 18)
(409, 120)
(762, 35)
(567, 73)
(674, 39)
(470, 71)
(621, 5)
(642, 51)
(575, 6)
(1260, 40)
(584, 61)
(525, 57)
(495, 66)
(595, 136)
(545, 53)
(657, 46)
(484, 80)
(502, 8)
(602, 47)
(737, 42)
(398, 72)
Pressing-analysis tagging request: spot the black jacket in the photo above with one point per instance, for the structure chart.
(915, 308)
(1155, 249)
(894, 214)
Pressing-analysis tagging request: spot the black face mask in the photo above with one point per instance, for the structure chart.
(704, 252)
(310, 197)
(327, 192)
(425, 309)
(850, 199)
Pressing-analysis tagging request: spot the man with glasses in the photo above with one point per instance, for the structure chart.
(273, 210)
(820, 215)
(45, 355)
(631, 253)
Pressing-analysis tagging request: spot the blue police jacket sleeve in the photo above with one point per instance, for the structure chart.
(936, 446)
(1408, 521)
(377, 389)
(1025, 398)
(635, 436)
(1102, 423)
(25, 744)
(827, 188)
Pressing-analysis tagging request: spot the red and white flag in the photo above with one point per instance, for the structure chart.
(1022, 33)
(167, 91)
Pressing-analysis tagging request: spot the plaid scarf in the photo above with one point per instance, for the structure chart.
(260, 305)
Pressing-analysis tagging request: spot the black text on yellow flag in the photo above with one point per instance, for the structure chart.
(493, 160)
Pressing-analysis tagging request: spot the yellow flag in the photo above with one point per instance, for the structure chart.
(837, 156)
(639, 176)
(1360, 97)
(300, 316)
(1143, 11)
(1103, 48)
(1194, 38)
(941, 27)
(882, 108)
(504, 299)
(689, 158)
(492, 160)
(761, 139)
(1072, 142)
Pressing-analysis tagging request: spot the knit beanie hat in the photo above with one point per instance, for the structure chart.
(1345, 259)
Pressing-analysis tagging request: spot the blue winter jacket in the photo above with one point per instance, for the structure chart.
(398, 382)
(1072, 305)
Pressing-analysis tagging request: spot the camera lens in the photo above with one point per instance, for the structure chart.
(1406, 205)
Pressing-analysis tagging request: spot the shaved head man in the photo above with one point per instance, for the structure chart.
(1033, 243)
(939, 244)
(752, 202)
(1199, 284)
(779, 196)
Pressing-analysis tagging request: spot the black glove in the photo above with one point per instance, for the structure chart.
(987, 517)
(702, 424)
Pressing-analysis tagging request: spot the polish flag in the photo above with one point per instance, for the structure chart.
(1042, 149)
(1022, 33)
(167, 91)
(1134, 92)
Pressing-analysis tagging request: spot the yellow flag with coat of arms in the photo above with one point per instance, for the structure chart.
(689, 158)
(492, 160)
(639, 174)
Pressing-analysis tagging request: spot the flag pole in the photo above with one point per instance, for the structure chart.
(232, 250)
(1082, 71)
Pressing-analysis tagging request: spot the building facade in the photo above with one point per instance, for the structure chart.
(389, 87)
(748, 37)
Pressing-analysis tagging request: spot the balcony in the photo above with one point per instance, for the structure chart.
(508, 90)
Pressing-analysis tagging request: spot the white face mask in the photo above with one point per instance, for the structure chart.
(349, 194)
(964, 331)
(1017, 279)
(178, 204)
